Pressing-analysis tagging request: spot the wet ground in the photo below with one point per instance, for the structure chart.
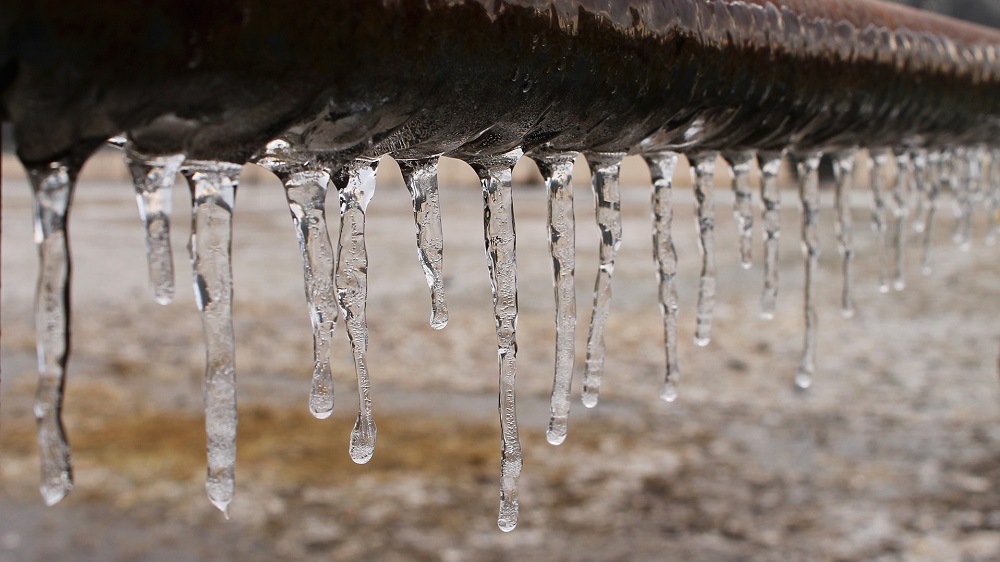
(894, 454)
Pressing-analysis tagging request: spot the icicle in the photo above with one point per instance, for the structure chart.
(843, 171)
(213, 191)
(604, 171)
(357, 186)
(739, 168)
(52, 188)
(809, 196)
(703, 173)
(153, 179)
(969, 189)
(661, 168)
(921, 184)
(498, 223)
(879, 159)
(305, 191)
(558, 172)
(421, 179)
(770, 196)
(935, 178)
(900, 196)
(992, 184)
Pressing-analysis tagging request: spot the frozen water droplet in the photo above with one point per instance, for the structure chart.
(52, 190)
(661, 169)
(558, 172)
(498, 222)
(604, 172)
(739, 168)
(880, 224)
(153, 179)
(357, 186)
(703, 172)
(421, 179)
(843, 171)
(900, 196)
(213, 194)
(809, 196)
(770, 197)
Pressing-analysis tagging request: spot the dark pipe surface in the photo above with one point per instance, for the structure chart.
(218, 80)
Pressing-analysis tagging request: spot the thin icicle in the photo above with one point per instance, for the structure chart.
(421, 179)
(809, 196)
(992, 185)
(661, 168)
(921, 186)
(900, 209)
(154, 179)
(213, 191)
(936, 175)
(498, 223)
(558, 172)
(969, 190)
(703, 173)
(604, 172)
(843, 171)
(880, 224)
(770, 197)
(357, 186)
(739, 169)
(52, 188)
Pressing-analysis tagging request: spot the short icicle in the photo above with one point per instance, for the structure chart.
(934, 180)
(843, 172)
(153, 178)
(809, 196)
(880, 220)
(604, 172)
(213, 193)
(420, 177)
(900, 209)
(558, 172)
(305, 192)
(770, 197)
(739, 168)
(52, 188)
(661, 168)
(356, 184)
(498, 222)
(703, 173)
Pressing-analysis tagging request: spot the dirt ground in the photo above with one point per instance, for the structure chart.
(894, 454)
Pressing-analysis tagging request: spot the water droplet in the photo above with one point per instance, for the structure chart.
(420, 177)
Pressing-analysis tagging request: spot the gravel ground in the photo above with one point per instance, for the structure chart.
(892, 455)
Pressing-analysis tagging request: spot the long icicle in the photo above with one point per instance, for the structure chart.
(879, 160)
(52, 188)
(661, 169)
(739, 168)
(770, 197)
(703, 173)
(900, 209)
(420, 177)
(153, 179)
(498, 224)
(843, 172)
(357, 186)
(213, 192)
(809, 195)
(604, 172)
(558, 172)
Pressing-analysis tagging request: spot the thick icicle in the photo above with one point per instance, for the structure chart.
(421, 179)
(703, 173)
(558, 172)
(213, 192)
(843, 171)
(498, 223)
(357, 186)
(809, 195)
(52, 188)
(880, 225)
(153, 179)
(604, 171)
(936, 163)
(661, 168)
(770, 197)
(900, 208)
(739, 168)
(305, 191)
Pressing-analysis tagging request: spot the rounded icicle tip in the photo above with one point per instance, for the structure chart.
(669, 392)
(803, 381)
(558, 428)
